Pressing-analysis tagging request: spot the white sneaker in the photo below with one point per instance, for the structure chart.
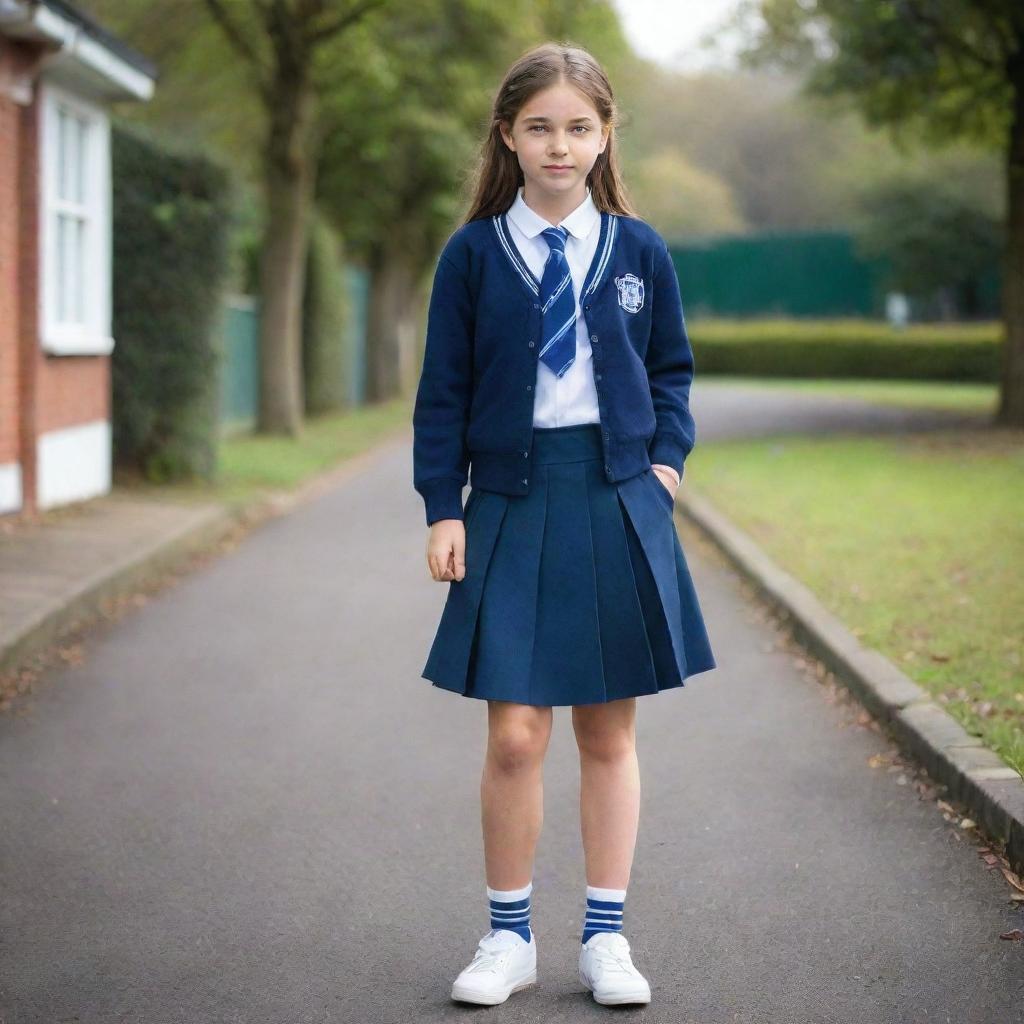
(503, 963)
(607, 970)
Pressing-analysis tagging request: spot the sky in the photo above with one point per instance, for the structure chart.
(668, 31)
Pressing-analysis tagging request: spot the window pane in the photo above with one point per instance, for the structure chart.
(81, 158)
(79, 309)
(60, 288)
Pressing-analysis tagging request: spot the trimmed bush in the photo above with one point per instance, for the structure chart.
(171, 219)
(847, 348)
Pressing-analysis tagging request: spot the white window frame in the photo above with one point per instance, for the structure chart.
(91, 333)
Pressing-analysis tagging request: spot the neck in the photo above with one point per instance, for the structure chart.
(553, 207)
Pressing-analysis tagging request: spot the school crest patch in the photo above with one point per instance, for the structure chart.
(631, 292)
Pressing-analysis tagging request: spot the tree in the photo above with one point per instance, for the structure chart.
(402, 129)
(680, 200)
(940, 70)
(938, 239)
(278, 41)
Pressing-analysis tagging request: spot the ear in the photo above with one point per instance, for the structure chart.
(503, 127)
(605, 132)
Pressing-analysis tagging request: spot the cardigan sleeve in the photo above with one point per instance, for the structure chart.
(669, 364)
(443, 396)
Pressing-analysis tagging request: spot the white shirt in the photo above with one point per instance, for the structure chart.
(571, 398)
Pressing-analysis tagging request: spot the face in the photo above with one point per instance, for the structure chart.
(557, 136)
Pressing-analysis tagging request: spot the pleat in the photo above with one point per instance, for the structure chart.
(567, 666)
(508, 605)
(652, 551)
(628, 661)
(448, 663)
(699, 655)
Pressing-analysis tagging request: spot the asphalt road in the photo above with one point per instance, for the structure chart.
(245, 805)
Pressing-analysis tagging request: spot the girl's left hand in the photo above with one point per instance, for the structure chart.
(667, 479)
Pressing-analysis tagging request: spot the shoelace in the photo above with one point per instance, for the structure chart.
(490, 953)
(615, 959)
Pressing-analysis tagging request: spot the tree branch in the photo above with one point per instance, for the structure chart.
(234, 34)
(951, 41)
(332, 28)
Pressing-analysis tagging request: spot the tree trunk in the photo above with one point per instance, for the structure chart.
(288, 168)
(391, 325)
(1011, 398)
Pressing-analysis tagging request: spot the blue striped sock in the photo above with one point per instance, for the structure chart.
(510, 909)
(604, 911)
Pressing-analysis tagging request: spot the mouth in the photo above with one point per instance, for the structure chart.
(557, 167)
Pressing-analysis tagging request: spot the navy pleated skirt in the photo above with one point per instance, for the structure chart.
(575, 593)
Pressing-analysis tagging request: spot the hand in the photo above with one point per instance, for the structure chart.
(667, 477)
(446, 550)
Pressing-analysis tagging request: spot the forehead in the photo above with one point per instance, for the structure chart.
(559, 102)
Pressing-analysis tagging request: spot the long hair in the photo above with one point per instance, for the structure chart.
(498, 174)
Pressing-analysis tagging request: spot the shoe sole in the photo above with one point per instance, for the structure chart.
(613, 1000)
(485, 999)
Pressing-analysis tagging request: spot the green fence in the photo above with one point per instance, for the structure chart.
(240, 354)
(239, 367)
(793, 273)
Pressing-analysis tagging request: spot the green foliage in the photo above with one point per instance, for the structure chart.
(325, 343)
(935, 67)
(171, 215)
(933, 235)
(847, 349)
(680, 200)
(405, 104)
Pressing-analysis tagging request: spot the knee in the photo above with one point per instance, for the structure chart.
(515, 748)
(610, 746)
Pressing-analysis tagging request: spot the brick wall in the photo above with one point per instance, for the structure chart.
(12, 59)
(39, 392)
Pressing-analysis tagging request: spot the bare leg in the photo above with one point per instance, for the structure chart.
(609, 789)
(511, 790)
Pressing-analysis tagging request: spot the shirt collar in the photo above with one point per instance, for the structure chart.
(579, 223)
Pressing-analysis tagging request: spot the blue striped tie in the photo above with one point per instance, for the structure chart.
(558, 305)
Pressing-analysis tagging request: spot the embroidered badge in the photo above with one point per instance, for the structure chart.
(631, 293)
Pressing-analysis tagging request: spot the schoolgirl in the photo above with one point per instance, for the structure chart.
(558, 367)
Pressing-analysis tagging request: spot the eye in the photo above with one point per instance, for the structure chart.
(583, 127)
(537, 127)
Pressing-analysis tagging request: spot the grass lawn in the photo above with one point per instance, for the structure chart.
(915, 541)
(251, 465)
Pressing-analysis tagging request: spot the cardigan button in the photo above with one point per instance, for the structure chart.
(531, 344)
(597, 376)
(593, 337)
(536, 305)
(526, 455)
(524, 481)
(529, 387)
(608, 470)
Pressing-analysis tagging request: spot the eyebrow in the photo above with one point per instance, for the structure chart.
(588, 120)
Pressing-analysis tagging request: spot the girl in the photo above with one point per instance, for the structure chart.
(557, 364)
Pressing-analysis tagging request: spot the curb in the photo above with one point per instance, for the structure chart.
(209, 526)
(974, 775)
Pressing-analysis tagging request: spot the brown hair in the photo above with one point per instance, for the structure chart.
(498, 174)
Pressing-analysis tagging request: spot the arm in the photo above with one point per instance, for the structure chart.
(669, 365)
(441, 411)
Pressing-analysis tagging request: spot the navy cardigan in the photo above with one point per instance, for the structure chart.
(474, 403)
